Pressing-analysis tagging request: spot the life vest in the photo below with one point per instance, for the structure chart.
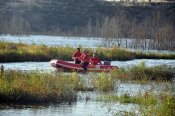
(95, 61)
(84, 57)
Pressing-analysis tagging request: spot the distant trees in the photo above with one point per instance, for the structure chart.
(150, 33)
(18, 25)
(154, 32)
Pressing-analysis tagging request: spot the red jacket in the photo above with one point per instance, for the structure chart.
(95, 61)
(84, 57)
(76, 55)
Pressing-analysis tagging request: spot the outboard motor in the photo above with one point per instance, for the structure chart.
(107, 63)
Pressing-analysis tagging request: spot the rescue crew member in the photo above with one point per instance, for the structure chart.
(84, 60)
(95, 60)
(76, 56)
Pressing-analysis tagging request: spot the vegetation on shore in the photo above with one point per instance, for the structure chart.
(18, 52)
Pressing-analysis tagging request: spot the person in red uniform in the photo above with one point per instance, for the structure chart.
(84, 60)
(76, 56)
(95, 60)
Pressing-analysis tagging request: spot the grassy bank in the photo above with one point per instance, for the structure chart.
(34, 87)
(18, 52)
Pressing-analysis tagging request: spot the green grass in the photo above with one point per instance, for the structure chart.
(18, 52)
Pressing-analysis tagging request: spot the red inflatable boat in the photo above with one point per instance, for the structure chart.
(70, 66)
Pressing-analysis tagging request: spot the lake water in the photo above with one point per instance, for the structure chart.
(82, 106)
(78, 109)
(45, 66)
(53, 40)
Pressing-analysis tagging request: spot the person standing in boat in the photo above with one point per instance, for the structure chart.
(84, 60)
(76, 56)
(95, 60)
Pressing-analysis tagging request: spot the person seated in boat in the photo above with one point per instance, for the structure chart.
(76, 56)
(84, 60)
(95, 60)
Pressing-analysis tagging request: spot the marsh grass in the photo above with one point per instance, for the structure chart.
(11, 52)
(152, 104)
(140, 73)
(126, 98)
(148, 103)
(17, 52)
(143, 73)
(115, 53)
(35, 87)
(103, 83)
(153, 55)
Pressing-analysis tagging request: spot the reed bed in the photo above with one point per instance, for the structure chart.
(143, 73)
(18, 52)
(36, 87)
